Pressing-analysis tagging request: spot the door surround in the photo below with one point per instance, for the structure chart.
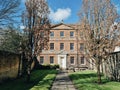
(62, 61)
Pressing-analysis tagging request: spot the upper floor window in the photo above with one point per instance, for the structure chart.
(61, 46)
(81, 35)
(71, 46)
(51, 46)
(61, 34)
(51, 59)
(41, 60)
(82, 60)
(71, 34)
(72, 60)
(51, 34)
(81, 47)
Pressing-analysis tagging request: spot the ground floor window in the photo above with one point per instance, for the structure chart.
(71, 60)
(41, 60)
(51, 59)
(82, 60)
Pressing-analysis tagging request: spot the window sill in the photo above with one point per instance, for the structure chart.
(62, 36)
(71, 36)
(83, 64)
(72, 63)
(52, 37)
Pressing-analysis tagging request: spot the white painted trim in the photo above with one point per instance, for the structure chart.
(84, 61)
(63, 61)
(117, 48)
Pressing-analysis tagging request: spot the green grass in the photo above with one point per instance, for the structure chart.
(40, 80)
(86, 80)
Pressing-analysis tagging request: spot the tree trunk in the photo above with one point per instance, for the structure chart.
(28, 76)
(98, 72)
(29, 67)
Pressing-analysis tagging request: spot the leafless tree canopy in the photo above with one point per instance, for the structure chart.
(8, 11)
(36, 22)
(101, 33)
(100, 30)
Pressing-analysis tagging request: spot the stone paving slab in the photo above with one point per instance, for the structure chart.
(62, 82)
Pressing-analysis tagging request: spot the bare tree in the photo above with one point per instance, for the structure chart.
(8, 11)
(100, 30)
(10, 39)
(35, 19)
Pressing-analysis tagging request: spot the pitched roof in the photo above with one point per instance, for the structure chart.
(67, 25)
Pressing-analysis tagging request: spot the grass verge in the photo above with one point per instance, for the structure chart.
(40, 80)
(86, 80)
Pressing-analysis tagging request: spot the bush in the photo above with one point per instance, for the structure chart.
(47, 66)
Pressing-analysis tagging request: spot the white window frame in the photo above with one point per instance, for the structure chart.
(72, 57)
(84, 60)
(61, 46)
(41, 58)
(71, 34)
(61, 33)
(51, 57)
(71, 46)
(52, 34)
(51, 47)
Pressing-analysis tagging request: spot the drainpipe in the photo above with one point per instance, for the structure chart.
(77, 47)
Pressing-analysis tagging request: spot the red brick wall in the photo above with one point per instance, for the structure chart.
(66, 40)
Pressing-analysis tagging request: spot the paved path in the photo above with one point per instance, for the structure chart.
(62, 82)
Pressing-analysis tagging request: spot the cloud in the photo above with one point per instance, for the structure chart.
(59, 14)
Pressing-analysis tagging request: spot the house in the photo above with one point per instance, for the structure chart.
(66, 48)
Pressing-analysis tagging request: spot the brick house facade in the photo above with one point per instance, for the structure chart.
(66, 48)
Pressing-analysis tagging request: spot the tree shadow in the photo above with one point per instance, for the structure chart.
(88, 78)
(21, 84)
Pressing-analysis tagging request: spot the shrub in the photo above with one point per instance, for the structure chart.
(47, 66)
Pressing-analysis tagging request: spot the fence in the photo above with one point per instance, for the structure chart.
(112, 66)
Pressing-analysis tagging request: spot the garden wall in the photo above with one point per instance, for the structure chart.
(9, 65)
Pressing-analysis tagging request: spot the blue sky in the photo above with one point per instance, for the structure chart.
(67, 10)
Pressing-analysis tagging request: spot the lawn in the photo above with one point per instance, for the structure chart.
(86, 80)
(40, 80)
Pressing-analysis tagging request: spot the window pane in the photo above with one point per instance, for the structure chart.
(71, 46)
(81, 35)
(62, 34)
(51, 46)
(51, 59)
(81, 47)
(61, 46)
(72, 60)
(82, 60)
(71, 34)
(41, 60)
(52, 34)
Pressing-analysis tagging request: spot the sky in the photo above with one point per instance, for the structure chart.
(67, 10)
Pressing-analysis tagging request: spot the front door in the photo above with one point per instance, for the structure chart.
(62, 61)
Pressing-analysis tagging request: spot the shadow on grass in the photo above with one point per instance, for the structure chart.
(87, 77)
(82, 76)
(21, 84)
(86, 80)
